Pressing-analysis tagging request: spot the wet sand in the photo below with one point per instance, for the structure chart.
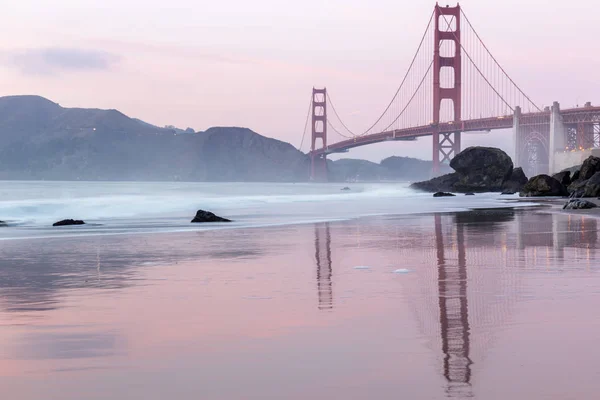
(492, 304)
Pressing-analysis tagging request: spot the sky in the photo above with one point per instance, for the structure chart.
(197, 63)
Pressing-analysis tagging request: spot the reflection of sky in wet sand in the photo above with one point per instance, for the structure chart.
(495, 310)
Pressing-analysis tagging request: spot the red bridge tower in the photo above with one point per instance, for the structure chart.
(447, 28)
(318, 164)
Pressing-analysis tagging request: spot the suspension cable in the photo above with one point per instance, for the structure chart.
(338, 116)
(496, 61)
(475, 65)
(306, 123)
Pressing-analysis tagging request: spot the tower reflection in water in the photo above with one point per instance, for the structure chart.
(468, 276)
(324, 269)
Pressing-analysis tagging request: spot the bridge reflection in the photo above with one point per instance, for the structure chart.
(468, 273)
(324, 268)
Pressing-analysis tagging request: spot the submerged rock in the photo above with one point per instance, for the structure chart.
(543, 185)
(469, 194)
(577, 204)
(3, 224)
(507, 192)
(345, 188)
(443, 194)
(68, 222)
(207, 216)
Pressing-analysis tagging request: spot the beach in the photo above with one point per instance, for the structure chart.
(385, 293)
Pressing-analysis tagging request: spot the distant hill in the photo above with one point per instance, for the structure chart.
(40, 139)
(390, 169)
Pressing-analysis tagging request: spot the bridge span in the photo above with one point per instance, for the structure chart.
(454, 85)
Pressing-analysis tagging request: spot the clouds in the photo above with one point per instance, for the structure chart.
(56, 60)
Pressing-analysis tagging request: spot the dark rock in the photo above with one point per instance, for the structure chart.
(563, 177)
(507, 192)
(575, 176)
(469, 194)
(207, 216)
(3, 224)
(590, 166)
(442, 183)
(592, 186)
(543, 185)
(68, 222)
(443, 194)
(345, 188)
(579, 205)
(515, 182)
(481, 169)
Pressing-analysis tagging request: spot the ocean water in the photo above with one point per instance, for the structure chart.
(313, 293)
(30, 208)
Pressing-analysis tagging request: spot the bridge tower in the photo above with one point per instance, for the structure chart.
(447, 28)
(318, 164)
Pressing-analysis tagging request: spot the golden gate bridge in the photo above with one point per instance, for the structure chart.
(453, 85)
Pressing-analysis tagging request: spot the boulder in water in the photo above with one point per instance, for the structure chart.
(345, 188)
(543, 185)
(577, 204)
(563, 177)
(437, 184)
(3, 224)
(481, 169)
(515, 182)
(507, 193)
(592, 186)
(443, 194)
(68, 222)
(207, 216)
(470, 194)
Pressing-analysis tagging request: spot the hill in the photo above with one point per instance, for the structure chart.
(39, 139)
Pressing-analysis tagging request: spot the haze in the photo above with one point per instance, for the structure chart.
(252, 64)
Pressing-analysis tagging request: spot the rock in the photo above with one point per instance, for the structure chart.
(442, 183)
(68, 222)
(3, 224)
(515, 182)
(575, 176)
(507, 192)
(590, 166)
(481, 169)
(543, 185)
(345, 188)
(563, 177)
(469, 194)
(443, 194)
(579, 205)
(592, 186)
(207, 216)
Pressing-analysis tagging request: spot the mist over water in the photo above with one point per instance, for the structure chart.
(133, 207)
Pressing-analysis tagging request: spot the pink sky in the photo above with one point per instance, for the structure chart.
(253, 63)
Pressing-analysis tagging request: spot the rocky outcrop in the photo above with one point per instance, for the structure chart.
(592, 186)
(478, 169)
(443, 194)
(543, 185)
(515, 182)
(207, 216)
(563, 177)
(590, 166)
(444, 183)
(481, 169)
(68, 222)
(576, 204)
